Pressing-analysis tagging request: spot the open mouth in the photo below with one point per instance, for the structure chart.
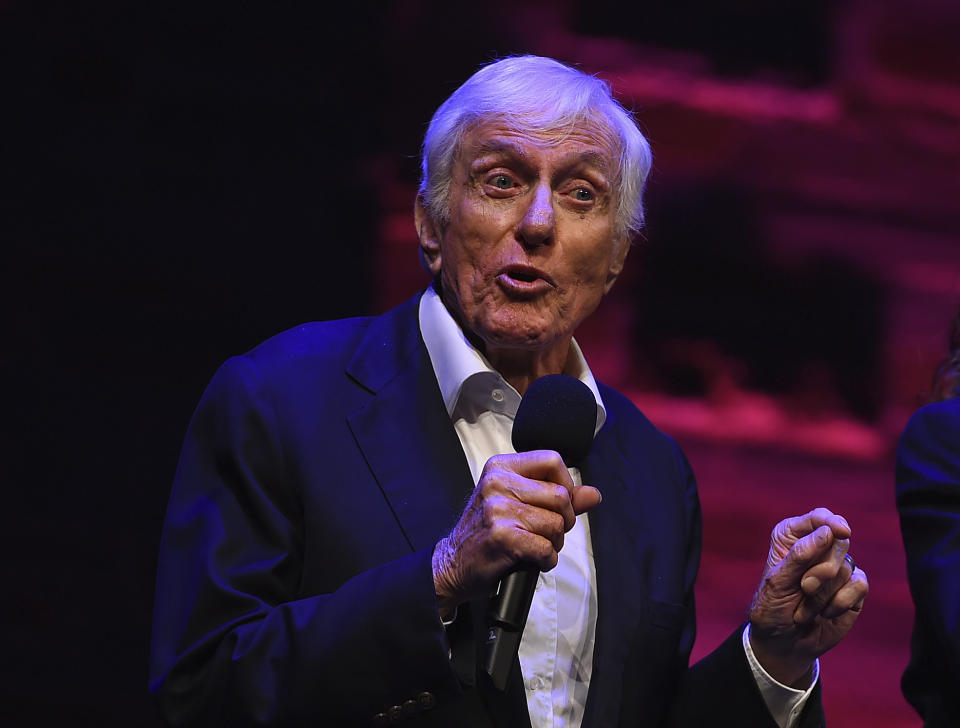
(526, 274)
(523, 276)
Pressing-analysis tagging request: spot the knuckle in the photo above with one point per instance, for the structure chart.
(549, 558)
(491, 481)
(517, 552)
(496, 469)
(494, 509)
(500, 536)
(545, 549)
(560, 498)
(495, 462)
(802, 548)
(551, 525)
(552, 456)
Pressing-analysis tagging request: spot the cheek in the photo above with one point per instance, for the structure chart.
(463, 277)
(594, 265)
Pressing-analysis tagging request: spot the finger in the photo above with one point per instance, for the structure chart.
(585, 498)
(541, 522)
(790, 530)
(546, 496)
(799, 526)
(827, 570)
(848, 597)
(498, 479)
(536, 464)
(529, 547)
(822, 581)
(806, 552)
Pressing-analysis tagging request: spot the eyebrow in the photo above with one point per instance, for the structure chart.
(599, 161)
(498, 146)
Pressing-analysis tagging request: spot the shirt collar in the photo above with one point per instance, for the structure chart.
(455, 360)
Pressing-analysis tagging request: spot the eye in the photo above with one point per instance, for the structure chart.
(502, 182)
(581, 194)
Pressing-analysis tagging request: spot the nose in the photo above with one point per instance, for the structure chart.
(537, 225)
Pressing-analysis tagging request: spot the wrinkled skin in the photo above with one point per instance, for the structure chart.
(527, 253)
(529, 249)
(808, 599)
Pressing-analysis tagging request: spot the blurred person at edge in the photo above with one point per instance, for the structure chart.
(308, 571)
(928, 501)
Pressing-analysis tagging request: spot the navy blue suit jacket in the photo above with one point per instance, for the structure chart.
(928, 500)
(295, 584)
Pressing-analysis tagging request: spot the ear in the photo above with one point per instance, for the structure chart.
(428, 233)
(621, 247)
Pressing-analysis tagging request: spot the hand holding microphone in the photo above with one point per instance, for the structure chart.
(518, 514)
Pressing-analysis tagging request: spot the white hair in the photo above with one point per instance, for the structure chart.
(535, 94)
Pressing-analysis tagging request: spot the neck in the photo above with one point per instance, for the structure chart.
(520, 366)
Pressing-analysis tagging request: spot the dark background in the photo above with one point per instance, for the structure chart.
(182, 182)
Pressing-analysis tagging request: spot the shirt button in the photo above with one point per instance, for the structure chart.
(426, 700)
(535, 683)
(497, 395)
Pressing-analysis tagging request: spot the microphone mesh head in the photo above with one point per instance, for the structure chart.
(557, 412)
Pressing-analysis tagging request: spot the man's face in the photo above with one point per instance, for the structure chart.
(529, 249)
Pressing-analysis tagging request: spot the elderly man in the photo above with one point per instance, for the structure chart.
(318, 564)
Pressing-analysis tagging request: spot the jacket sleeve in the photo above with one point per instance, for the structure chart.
(928, 501)
(235, 641)
(720, 689)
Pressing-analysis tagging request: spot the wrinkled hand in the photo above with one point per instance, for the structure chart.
(807, 599)
(519, 511)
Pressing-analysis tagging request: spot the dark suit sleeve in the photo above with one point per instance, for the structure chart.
(652, 527)
(928, 501)
(720, 689)
(235, 640)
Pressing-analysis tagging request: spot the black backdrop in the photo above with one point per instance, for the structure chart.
(180, 183)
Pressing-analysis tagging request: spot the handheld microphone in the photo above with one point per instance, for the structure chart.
(557, 412)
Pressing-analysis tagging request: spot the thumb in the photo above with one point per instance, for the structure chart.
(585, 498)
(806, 552)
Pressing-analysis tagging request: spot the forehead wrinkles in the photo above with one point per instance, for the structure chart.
(492, 136)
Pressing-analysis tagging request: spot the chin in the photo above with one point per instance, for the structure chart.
(529, 336)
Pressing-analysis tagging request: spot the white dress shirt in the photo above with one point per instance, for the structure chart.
(556, 649)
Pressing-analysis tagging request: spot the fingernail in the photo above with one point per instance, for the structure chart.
(822, 535)
(601, 497)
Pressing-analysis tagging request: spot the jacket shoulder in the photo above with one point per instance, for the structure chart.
(317, 341)
(938, 415)
(629, 424)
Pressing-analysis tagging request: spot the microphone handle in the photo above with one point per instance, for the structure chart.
(508, 617)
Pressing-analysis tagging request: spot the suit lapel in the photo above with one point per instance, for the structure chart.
(614, 541)
(404, 431)
(413, 451)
